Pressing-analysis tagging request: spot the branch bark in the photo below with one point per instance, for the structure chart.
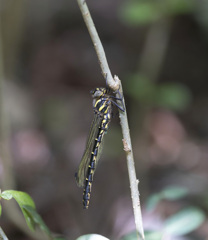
(115, 84)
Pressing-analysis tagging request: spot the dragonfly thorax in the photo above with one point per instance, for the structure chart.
(102, 105)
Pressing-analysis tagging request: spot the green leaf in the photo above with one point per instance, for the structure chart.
(184, 221)
(92, 237)
(22, 199)
(0, 209)
(27, 206)
(36, 218)
(6, 195)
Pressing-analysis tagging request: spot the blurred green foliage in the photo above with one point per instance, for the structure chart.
(144, 12)
(149, 235)
(173, 96)
(131, 236)
(184, 221)
(153, 235)
(168, 193)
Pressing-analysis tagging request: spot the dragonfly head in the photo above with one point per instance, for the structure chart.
(98, 92)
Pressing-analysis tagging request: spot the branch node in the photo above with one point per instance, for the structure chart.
(126, 146)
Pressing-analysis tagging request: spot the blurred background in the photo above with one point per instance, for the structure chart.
(159, 49)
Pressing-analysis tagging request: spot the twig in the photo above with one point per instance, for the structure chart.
(98, 45)
(114, 84)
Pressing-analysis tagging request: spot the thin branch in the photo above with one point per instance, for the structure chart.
(114, 84)
(97, 45)
(132, 172)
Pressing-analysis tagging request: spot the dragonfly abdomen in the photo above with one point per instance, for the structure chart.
(91, 168)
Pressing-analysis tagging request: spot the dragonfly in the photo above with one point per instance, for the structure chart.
(103, 101)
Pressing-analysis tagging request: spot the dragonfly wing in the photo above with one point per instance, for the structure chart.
(83, 167)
